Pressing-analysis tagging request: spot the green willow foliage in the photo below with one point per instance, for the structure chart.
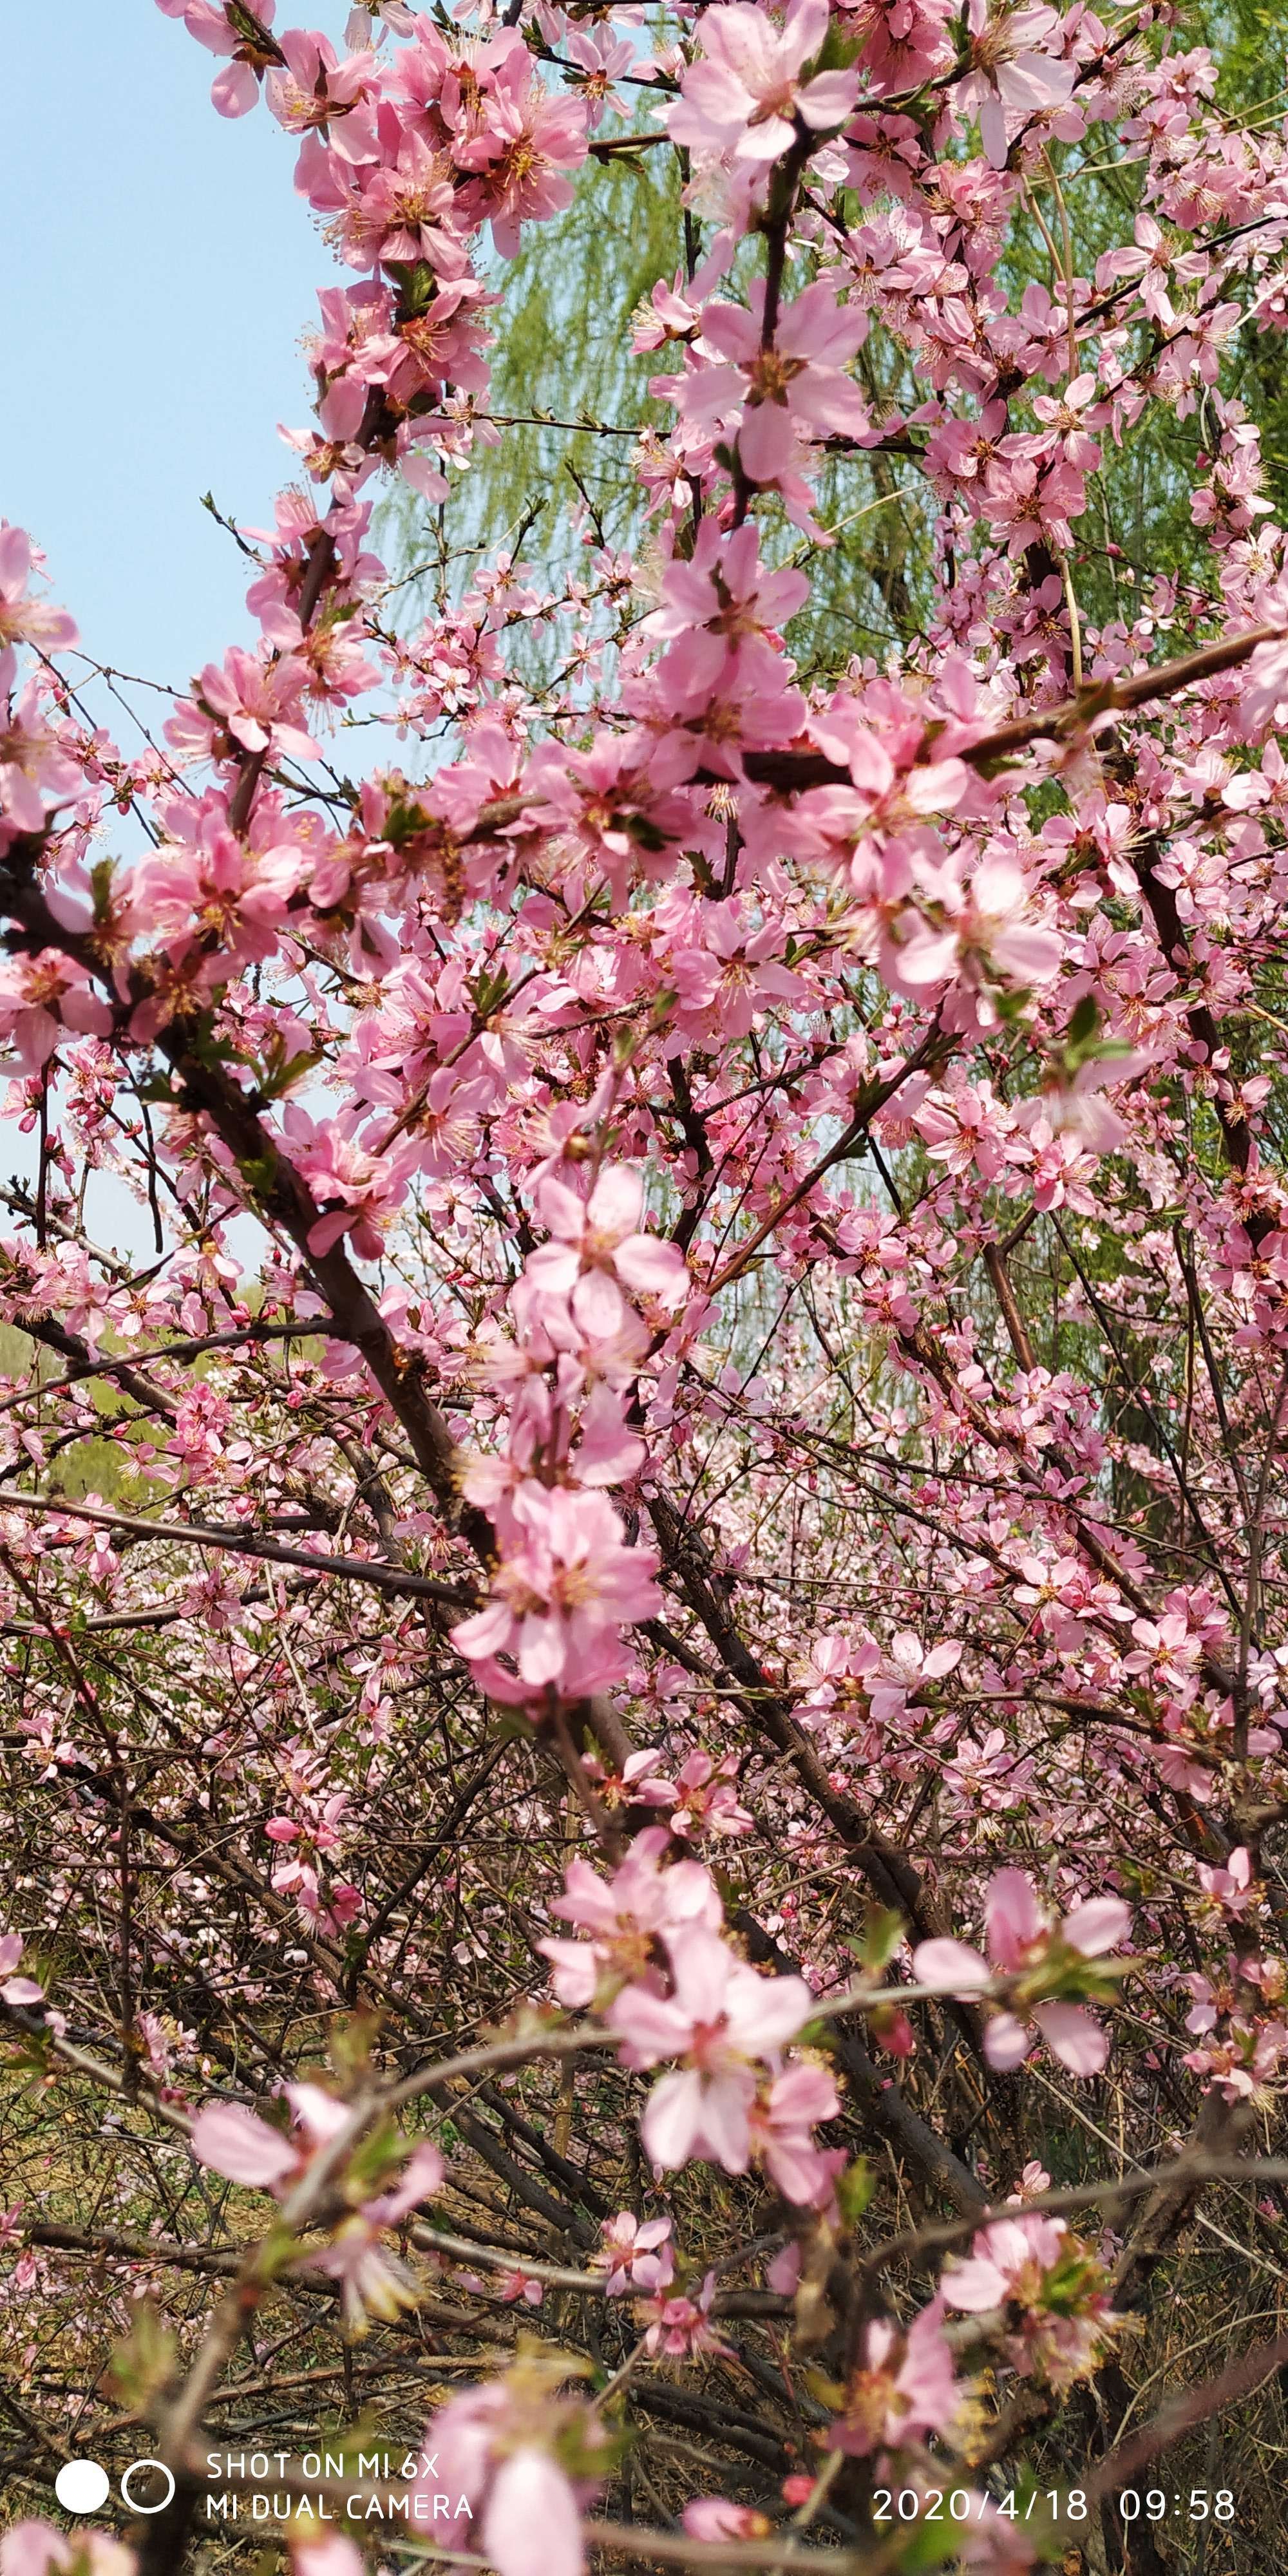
(564, 323)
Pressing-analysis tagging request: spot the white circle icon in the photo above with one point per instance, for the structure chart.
(133, 2501)
(81, 2486)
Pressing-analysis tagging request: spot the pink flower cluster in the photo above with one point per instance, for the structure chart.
(567, 1582)
(36, 773)
(1052, 2290)
(237, 2143)
(733, 2098)
(1048, 1962)
(512, 2464)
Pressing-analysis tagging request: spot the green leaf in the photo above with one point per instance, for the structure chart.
(1085, 1021)
(143, 2364)
(854, 2190)
(883, 1930)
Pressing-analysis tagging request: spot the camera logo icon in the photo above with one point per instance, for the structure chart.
(83, 2486)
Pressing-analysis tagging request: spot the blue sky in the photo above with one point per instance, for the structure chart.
(160, 272)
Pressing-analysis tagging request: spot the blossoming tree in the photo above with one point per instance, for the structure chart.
(645, 1753)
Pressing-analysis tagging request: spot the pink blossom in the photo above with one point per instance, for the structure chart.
(635, 2254)
(904, 43)
(234, 90)
(624, 1915)
(678, 2327)
(714, 2518)
(368, 19)
(724, 2020)
(1048, 2282)
(241, 2146)
(903, 2389)
(328, 2553)
(985, 936)
(403, 211)
(601, 60)
(704, 1798)
(743, 95)
(44, 995)
(795, 386)
(599, 1249)
(499, 2453)
(720, 612)
(31, 2548)
(781, 2127)
(24, 619)
(356, 1188)
(374, 2282)
(727, 972)
(1233, 1888)
(528, 142)
(1015, 76)
(564, 1589)
(15, 1990)
(35, 771)
(246, 704)
(1046, 1959)
(518, 2284)
(311, 88)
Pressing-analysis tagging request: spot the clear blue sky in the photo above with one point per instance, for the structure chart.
(160, 271)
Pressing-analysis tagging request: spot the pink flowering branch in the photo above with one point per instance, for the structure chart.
(756, 1395)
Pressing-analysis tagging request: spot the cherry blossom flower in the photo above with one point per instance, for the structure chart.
(517, 2461)
(245, 704)
(1234, 1887)
(368, 20)
(35, 770)
(239, 32)
(238, 2144)
(903, 2389)
(235, 2142)
(357, 1189)
(904, 43)
(372, 2280)
(983, 938)
(528, 142)
(714, 2518)
(1015, 75)
(720, 611)
(795, 386)
(1047, 1960)
(744, 94)
(599, 1249)
(31, 2548)
(601, 61)
(1048, 2283)
(41, 997)
(624, 1915)
(635, 2254)
(704, 1798)
(19, 1991)
(311, 88)
(25, 619)
(725, 2020)
(564, 1589)
(781, 2126)
(404, 212)
(677, 2325)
